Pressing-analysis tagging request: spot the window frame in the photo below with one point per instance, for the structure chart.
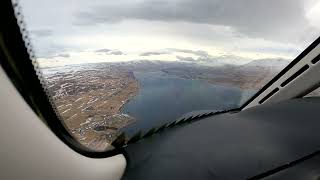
(16, 59)
(295, 61)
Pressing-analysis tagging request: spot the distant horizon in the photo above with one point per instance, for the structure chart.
(68, 32)
(57, 63)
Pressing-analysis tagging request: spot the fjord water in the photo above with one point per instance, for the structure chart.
(164, 98)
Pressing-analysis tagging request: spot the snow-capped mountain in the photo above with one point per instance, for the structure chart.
(268, 63)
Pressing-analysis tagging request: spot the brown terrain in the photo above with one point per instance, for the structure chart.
(89, 101)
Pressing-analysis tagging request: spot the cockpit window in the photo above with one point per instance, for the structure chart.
(133, 65)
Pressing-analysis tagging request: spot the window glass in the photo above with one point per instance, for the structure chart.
(132, 65)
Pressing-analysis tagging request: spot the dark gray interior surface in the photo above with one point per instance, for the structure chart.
(307, 170)
(229, 146)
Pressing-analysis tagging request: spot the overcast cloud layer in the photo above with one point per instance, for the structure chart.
(250, 17)
(129, 29)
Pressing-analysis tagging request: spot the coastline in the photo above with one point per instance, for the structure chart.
(117, 119)
(90, 102)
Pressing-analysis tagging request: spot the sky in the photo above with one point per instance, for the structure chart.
(82, 31)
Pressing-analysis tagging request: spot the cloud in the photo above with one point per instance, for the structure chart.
(51, 50)
(103, 50)
(250, 17)
(152, 53)
(116, 52)
(109, 52)
(41, 32)
(188, 51)
(249, 28)
(189, 59)
(175, 50)
(63, 55)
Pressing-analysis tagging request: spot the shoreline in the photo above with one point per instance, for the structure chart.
(89, 99)
(131, 96)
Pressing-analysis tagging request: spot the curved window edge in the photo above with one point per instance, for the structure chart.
(15, 59)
